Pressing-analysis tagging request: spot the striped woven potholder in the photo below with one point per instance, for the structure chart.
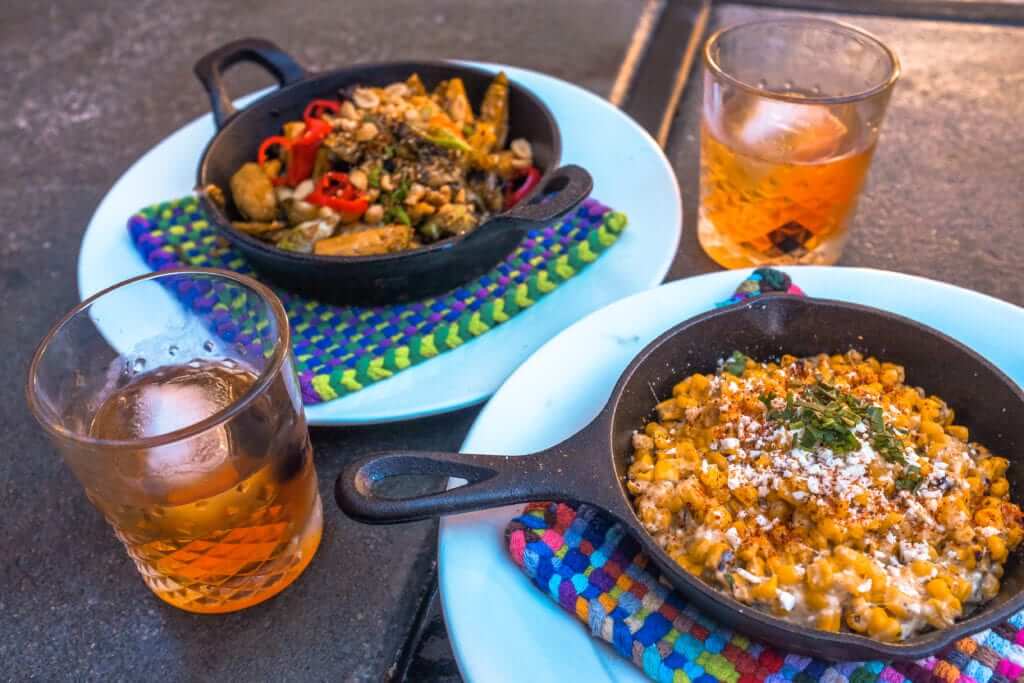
(594, 570)
(341, 349)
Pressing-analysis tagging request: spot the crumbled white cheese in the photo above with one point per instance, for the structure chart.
(987, 531)
(730, 442)
(914, 551)
(786, 599)
(733, 537)
(752, 578)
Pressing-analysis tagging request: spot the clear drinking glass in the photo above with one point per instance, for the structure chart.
(792, 111)
(173, 399)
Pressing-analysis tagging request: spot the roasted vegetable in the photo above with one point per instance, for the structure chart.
(415, 85)
(215, 195)
(447, 139)
(455, 219)
(254, 193)
(256, 228)
(303, 237)
(384, 169)
(299, 211)
(494, 109)
(451, 95)
(367, 241)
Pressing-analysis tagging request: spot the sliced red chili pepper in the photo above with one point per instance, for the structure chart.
(515, 195)
(334, 190)
(316, 109)
(304, 149)
(261, 156)
(317, 128)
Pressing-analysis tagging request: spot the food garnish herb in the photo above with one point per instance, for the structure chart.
(393, 210)
(735, 364)
(827, 417)
(911, 479)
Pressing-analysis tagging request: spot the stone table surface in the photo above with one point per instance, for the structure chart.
(90, 86)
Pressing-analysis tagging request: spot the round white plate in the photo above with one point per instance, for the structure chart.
(631, 174)
(502, 628)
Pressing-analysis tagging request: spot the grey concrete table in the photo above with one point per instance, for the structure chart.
(89, 86)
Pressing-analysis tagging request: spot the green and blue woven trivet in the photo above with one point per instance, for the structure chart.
(341, 349)
(595, 571)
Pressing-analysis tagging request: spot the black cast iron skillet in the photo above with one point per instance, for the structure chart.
(590, 466)
(389, 278)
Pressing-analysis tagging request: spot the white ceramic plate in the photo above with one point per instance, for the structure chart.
(502, 628)
(630, 172)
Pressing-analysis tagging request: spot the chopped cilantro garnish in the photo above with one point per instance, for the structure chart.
(373, 177)
(826, 417)
(397, 214)
(735, 364)
(911, 479)
(393, 210)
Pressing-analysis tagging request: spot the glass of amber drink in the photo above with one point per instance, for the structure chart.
(173, 399)
(791, 115)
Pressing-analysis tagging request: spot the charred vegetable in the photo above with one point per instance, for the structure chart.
(384, 169)
(254, 193)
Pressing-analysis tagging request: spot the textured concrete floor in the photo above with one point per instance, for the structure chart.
(88, 87)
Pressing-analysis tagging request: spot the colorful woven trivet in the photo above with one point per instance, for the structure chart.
(762, 281)
(339, 350)
(595, 571)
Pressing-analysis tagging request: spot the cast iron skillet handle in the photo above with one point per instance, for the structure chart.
(492, 481)
(210, 68)
(562, 191)
(566, 471)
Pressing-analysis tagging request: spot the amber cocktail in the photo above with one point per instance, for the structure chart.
(174, 400)
(792, 111)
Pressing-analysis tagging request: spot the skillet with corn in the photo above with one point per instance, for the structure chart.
(828, 492)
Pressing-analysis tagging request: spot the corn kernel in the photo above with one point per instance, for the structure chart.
(766, 590)
(666, 470)
(717, 517)
(819, 575)
(988, 517)
(933, 430)
(958, 432)
(829, 620)
(938, 588)
(997, 547)
(715, 555)
(831, 530)
(787, 573)
(816, 599)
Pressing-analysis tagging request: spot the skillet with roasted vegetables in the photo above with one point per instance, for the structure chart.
(382, 170)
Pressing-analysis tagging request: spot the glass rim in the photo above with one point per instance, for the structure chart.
(46, 417)
(884, 85)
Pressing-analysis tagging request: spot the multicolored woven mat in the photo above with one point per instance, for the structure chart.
(595, 571)
(338, 349)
